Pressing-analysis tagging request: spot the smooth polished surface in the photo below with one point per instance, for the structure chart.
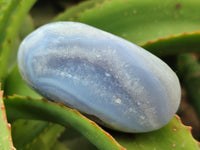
(100, 74)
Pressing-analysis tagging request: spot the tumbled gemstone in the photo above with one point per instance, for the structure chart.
(123, 86)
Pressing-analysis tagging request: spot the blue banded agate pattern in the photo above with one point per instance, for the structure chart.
(102, 75)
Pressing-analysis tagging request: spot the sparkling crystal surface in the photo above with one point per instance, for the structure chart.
(100, 74)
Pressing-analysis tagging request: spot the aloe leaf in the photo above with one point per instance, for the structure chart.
(27, 27)
(7, 8)
(73, 12)
(52, 133)
(14, 77)
(71, 137)
(12, 60)
(20, 87)
(25, 132)
(27, 108)
(46, 138)
(11, 33)
(5, 128)
(141, 21)
(172, 136)
(174, 44)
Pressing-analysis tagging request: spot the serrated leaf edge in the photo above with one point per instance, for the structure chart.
(5, 120)
(169, 37)
(189, 128)
(87, 122)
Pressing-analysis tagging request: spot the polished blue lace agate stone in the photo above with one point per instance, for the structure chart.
(111, 80)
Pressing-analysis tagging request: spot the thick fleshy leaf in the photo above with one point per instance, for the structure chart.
(13, 77)
(132, 14)
(174, 135)
(20, 87)
(73, 12)
(16, 19)
(174, 44)
(20, 128)
(5, 128)
(27, 108)
(71, 137)
(140, 21)
(46, 139)
(7, 8)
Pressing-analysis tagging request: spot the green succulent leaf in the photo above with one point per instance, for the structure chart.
(27, 108)
(21, 127)
(20, 10)
(20, 88)
(46, 139)
(71, 137)
(5, 128)
(174, 44)
(7, 9)
(73, 12)
(174, 135)
(13, 77)
(142, 21)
